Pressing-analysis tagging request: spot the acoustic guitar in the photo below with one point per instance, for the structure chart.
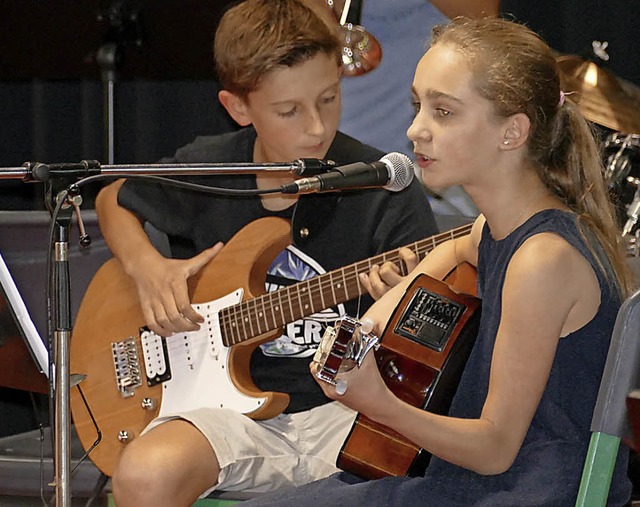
(132, 375)
(421, 355)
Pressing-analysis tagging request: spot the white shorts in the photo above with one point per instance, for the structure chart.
(261, 456)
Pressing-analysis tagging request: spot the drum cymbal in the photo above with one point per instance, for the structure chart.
(602, 98)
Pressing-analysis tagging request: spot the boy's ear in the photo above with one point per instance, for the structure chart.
(236, 107)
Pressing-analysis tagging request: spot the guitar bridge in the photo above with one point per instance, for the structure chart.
(127, 366)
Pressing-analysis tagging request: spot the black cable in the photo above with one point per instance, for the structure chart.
(36, 412)
(177, 183)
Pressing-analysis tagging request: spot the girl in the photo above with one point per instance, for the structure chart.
(491, 117)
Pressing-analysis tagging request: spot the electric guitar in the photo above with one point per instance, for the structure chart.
(131, 375)
(421, 355)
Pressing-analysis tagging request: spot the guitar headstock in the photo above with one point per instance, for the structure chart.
(343, 347)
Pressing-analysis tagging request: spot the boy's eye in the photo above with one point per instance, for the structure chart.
(329, 100)
(288, 114)
(416, 106)
(441, 112)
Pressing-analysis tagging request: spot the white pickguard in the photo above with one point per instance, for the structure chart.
(199, 368)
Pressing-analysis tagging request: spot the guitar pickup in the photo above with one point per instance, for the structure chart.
(127, 366)
(156, 357)
(429, 319)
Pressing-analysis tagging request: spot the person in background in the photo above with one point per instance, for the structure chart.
(279, 67)
(491, 117)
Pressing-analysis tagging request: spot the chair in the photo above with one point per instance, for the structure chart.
(609, 423)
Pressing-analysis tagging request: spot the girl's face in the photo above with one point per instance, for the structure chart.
(456, 136)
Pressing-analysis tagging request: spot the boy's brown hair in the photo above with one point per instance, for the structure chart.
(256, 36)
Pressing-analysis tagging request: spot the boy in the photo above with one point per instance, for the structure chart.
(279, 66)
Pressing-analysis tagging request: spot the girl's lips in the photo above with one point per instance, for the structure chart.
(423, 161)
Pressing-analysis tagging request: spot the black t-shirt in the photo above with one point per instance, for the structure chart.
(329, 231)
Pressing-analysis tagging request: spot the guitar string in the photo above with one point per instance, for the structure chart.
(349, 275)
(188, 343)
(231, 313)
(229, 316)
(173, 344)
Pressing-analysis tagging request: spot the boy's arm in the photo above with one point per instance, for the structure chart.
(161, 283)
(122, 229)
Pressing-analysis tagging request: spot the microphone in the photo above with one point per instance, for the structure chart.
(392, 172)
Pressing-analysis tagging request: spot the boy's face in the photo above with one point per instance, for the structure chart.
(296, 110)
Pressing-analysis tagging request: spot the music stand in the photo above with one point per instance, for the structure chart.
(24, 356)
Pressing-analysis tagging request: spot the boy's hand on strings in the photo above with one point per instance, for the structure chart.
(163, 291)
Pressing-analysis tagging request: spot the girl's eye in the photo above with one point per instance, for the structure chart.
(416, 106)
(442, 112)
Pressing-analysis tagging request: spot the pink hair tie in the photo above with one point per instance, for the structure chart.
(562, 97)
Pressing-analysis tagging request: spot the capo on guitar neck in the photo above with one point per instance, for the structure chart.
(344, 347)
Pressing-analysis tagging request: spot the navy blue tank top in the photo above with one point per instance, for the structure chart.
(548, 468)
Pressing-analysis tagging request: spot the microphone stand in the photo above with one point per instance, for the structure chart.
(61, 204)
(59, 307)
(31, 172)
(123, 28)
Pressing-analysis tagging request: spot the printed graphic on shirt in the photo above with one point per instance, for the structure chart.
(300, 338)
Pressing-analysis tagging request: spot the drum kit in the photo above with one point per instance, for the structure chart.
(614, 104)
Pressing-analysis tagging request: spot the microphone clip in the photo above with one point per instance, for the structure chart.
(312, 166)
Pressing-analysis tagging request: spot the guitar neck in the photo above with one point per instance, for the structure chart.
(273, 310)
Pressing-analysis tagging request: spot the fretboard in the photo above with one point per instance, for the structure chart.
(273, 310)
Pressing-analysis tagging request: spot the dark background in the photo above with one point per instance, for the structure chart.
(52, 90)
(52, 84)
(570, 26)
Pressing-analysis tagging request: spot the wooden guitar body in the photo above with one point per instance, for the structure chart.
(111, 301)
(421, 365)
